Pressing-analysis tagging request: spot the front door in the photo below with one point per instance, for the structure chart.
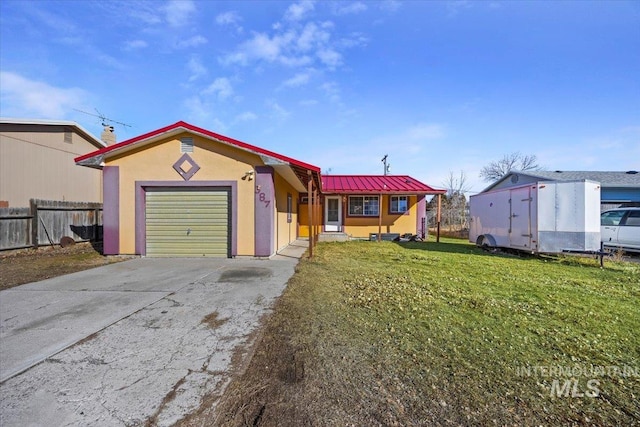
(332, 214)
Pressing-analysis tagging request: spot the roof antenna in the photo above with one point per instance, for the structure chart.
(107, 134)
(387, 167)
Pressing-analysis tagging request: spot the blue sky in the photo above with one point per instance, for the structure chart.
(438, 86)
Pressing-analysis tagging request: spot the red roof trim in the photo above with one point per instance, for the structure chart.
(207, 133)
(375, 184)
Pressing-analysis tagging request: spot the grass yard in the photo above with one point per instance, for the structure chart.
(444, 334)
(31, 265)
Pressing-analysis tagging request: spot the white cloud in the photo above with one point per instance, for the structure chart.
(197, 109)
(295, 61)
(247, 116)
(277, 111)
(135, 44)
(354, 40)
(67, 32)
(228, 18)
(178, 12)
(330, 58)
(144, 12)
(332, 90)
(298, 80)
(54, 21)
(390, 5)
(312, 36)
(264, 47)
(455, 7)
(200, 111)
(221, 88)
(196, 69)
(191, 42)
(270, 49)
(239, 58)
(297, 11)
(21, 97)
(349, 8)
(295, 44)
(308, 102)
(425, 131)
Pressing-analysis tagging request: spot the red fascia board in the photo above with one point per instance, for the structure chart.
(202, 131)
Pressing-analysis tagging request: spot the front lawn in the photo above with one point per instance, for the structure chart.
(445, 334)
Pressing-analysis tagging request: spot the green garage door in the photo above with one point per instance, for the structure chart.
(187, 223)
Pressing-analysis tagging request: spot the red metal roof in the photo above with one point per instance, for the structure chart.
(191, 128)
(359, 184)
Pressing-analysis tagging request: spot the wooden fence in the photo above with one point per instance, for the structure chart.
(45, 222)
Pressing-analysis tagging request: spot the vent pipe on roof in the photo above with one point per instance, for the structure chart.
(107, 135)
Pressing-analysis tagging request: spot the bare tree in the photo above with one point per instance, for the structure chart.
(456, 184)
(454, 204)
(513, 161)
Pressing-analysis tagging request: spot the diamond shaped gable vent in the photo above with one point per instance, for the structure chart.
(186, 167)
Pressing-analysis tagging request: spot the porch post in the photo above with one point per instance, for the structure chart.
(310, 212)
(421, 216)
(316, 196)
(380, 218)
(345, 206)
(438, 217)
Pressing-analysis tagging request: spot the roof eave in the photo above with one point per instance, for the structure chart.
(267, 156)
(391, 192)
(96, 162)
(43, 122)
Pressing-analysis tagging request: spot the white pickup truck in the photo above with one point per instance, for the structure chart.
(620, 229)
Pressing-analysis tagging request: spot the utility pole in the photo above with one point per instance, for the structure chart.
(384, 162)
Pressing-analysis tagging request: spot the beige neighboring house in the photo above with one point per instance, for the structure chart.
(36, 162)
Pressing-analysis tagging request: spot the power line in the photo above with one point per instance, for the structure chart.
(105, 120)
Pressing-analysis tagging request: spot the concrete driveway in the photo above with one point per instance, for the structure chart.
(141, 341)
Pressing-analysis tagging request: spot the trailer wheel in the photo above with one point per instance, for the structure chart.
(486, 242)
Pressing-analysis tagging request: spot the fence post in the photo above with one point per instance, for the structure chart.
(96, 212)
(33, 205)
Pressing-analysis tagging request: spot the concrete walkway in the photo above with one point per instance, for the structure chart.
(132, 342)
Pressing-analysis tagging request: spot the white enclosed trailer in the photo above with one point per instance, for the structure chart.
(542, 217)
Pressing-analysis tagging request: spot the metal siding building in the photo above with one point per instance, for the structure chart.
(37, 162)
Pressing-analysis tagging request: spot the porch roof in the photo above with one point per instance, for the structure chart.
(375, 184)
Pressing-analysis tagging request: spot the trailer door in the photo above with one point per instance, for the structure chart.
(520, 224)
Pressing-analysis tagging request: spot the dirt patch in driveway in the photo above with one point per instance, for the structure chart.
(32, 265)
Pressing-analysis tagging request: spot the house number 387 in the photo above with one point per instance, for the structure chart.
(263, 198)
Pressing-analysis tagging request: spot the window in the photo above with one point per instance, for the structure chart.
(633, 219)
(363, 205)
(399, 204)
(186, 145)
(611, 218)
(289, 208)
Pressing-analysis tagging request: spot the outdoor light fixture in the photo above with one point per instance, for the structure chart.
(248, 175)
